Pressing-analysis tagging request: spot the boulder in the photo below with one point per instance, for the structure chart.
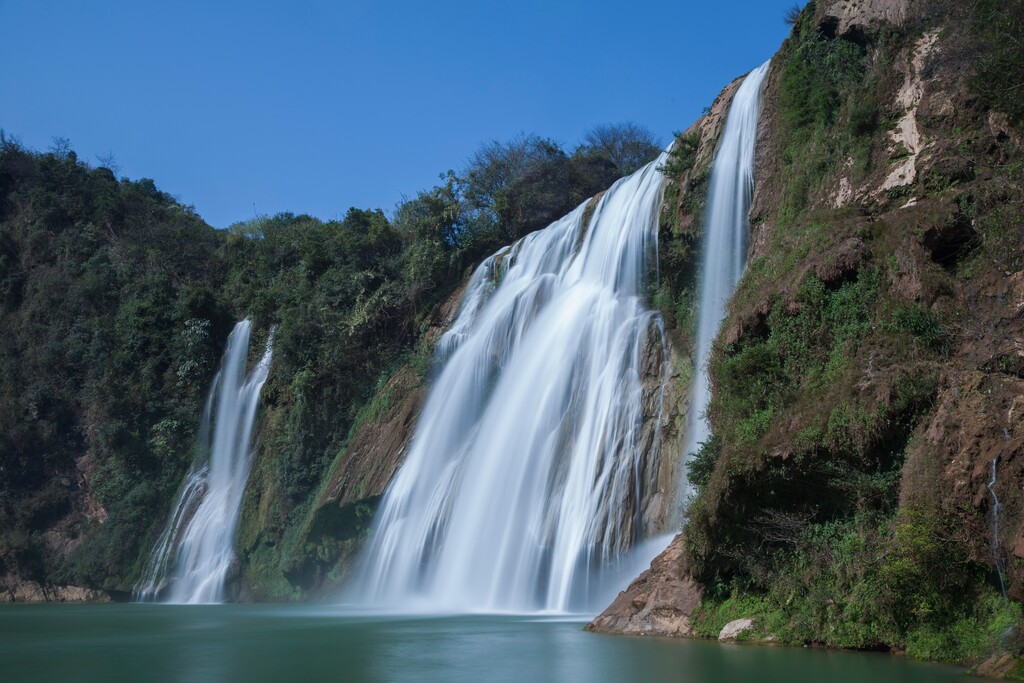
(734, 628)
(660, 602)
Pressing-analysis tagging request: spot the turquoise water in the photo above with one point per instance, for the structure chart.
(252, 643)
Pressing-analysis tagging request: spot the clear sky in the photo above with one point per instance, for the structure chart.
(315, 106)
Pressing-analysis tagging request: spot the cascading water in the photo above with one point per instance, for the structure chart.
(997, 556)
(726, 234)
(525, 482)
(191, 559)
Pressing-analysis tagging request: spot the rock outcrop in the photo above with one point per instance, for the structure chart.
(13, 589)
(660, 602)
(378, 448)
(846, 17)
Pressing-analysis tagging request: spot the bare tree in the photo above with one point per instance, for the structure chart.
(60, 147)
(109, 161)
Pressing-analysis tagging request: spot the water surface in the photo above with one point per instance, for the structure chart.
(252, 643)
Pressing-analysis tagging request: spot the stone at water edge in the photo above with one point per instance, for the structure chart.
(13, 589)
(660, 602)
(734, 628)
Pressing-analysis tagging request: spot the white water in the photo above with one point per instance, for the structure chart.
(726, 235)
(191, 560)
(997, 556)
(524, 485)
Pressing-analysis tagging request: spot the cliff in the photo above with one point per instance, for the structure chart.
(866, 384)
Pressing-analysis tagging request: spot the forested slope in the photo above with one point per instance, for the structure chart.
(116, 300)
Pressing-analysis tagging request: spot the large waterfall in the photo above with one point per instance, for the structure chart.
(726, 234)
(193, 555)
(525, 484)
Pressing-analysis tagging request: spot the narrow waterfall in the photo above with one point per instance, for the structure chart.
(191, 559)
(726, 234)
(525, 482)
(997, 556)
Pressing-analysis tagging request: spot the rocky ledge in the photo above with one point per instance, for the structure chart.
(13, 589)
(660, 602)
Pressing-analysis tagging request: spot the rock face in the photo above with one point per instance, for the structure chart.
(660, 602)
(13, 589)
(997, 666)
(711, 124)
(914, 211)
(378, 448)
(849, 16)
(935, 377)
(666, 400)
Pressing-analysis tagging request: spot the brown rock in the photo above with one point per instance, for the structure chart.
(378, 447)
(660, 602)
(15, 589)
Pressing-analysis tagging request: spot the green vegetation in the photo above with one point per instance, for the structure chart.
(830, 98)
(627, 145)
(679, 236)
(805, 516)
(512, 188)
(867, 584)
(112, 330)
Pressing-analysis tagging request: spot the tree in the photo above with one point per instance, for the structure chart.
(496, 165)
(627, 145)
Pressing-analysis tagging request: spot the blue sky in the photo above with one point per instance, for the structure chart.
(315, 106)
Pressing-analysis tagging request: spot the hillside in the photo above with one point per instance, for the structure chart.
(867, 382)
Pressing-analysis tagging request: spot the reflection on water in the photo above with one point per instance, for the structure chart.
(286, 643)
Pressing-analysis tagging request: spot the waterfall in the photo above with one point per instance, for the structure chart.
(726, 234)
(525, 482)
(997, 556)
(191, 559)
